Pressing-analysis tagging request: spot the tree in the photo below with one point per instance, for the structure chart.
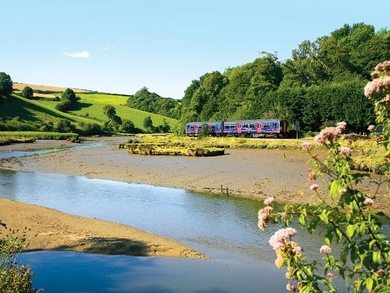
(128, 127)
(148, 124)
(68, 100)
(27, 92)
(5, 84)
(113, 118)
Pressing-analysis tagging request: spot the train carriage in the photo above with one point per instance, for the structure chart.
(250, 128)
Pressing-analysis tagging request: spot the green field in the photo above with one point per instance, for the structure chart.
(90, 110)
(92, 105)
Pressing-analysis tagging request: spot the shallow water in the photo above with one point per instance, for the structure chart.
(223, 228)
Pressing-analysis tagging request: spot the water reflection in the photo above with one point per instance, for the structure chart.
(75, 272)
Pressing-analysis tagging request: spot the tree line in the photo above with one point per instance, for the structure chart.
(319, 85)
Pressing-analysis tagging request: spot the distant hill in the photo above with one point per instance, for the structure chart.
(44, 88)
(18, 113)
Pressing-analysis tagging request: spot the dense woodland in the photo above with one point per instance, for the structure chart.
(320, 84)
(154, 103)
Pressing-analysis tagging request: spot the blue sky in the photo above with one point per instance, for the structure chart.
(120, 46)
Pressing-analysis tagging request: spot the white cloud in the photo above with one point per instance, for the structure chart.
(78, 54)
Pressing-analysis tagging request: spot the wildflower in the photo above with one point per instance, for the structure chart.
(278, 240)
(269, 200)
(314, 187)
(279, 261)
(305, 145)
(297, 250)
(376, 86)
(329, 275)
(380, 272)
(368, 201)
(346, 151)
(328, 134)
(341, 125)
(381, 67)
(325, 249)
(288, 275)
(371, 128)
(290, 287)
(263, 216)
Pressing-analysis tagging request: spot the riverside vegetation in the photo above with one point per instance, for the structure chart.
(349, 215)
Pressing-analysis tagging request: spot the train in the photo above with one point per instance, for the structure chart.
(248, 128)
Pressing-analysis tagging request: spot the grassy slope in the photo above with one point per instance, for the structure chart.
(93, 104)
(32, 110)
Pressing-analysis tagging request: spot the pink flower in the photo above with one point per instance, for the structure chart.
(314, 187)
(371, 128)
(297, 250)
(368, 201)
(325, 249)
(384, 66)
(378, 85)
(278, 240)
(263, 216)
(305, 145)
(341, 125)
(269, 200)
(346, 151)
(329, 275)
(327, 134)
(290, 287)
(380, 272)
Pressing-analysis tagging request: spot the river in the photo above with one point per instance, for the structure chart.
(223, 228)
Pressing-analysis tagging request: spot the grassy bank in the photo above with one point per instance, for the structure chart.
(368, 154)
(31, 136)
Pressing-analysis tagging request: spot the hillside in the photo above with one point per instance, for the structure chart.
(18, 113)
(18, 86)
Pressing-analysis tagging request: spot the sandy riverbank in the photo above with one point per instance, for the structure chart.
(60, 231)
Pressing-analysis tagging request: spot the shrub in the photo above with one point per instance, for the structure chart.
(13, 278)
(348, 214)
(27, 92)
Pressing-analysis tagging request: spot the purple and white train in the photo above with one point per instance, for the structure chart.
(250, 128)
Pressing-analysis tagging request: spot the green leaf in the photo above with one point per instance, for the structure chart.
(324, 216)
(376, 257)
(369, 284)
(350, 230)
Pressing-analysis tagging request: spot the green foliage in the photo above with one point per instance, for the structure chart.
(148, 124)
(128, 127)
(68, 101)
(27, 92)
(319, 85)
(153, 103)
(114, 121)
(5, 84)
(13, 278)
(348, 214)
(91, 105)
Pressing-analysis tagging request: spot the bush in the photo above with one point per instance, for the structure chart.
(27, 92)
(13, 278)
(349, 215)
